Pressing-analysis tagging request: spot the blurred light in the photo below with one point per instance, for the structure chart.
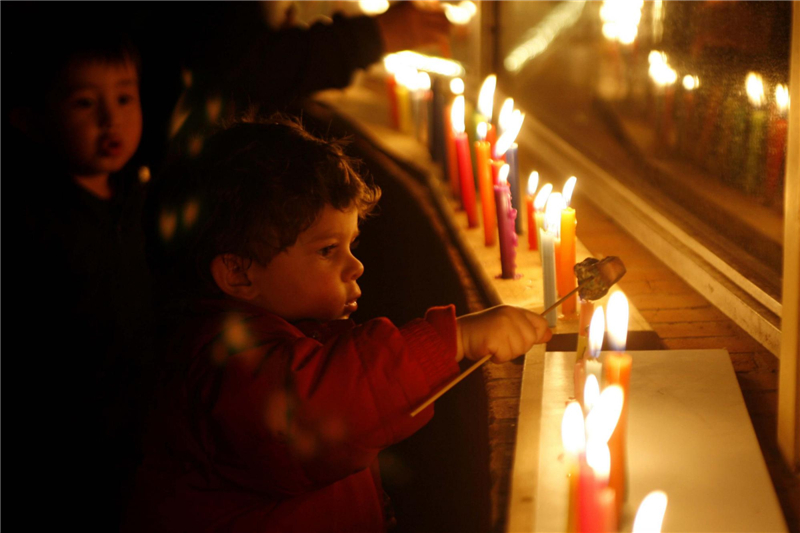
(504, 118)
(167, 222)
(782, 97)
(481, 130)
(540, 201)
(755, 89)
(573, 434)
(457, 86)
(552, 214)
(599, 458)
(690, 82)
(144, 174)
(660, 71)
(650, 515)
(190, 211)
(502, 174)
(508, 137)
(597, 330)
(591, 392)
(436, 65)
(460, 14)
(373, 7)
(602, 419)
(539, 37)
(621, 19)
(457, 114)
(618, 313)
(423, 81)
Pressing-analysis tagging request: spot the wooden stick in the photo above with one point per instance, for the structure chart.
(478, 363)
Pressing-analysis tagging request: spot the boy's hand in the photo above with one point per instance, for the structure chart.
(503, 331)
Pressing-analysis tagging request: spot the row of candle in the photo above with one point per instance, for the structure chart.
(594, 431)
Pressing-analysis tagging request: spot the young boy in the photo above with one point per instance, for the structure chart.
(277, 404)
(84, 316)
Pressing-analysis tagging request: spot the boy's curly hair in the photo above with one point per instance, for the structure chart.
(254, 188)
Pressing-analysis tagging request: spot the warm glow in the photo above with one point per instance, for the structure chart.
(591, 392)
(508, 137)
(782, 97)
(596, 332)
(621, 19)
(506, 111)
(457, 114)
(618, 321)
(755, 89)
(541, 198)
(651, 511)
(406, 76)
(457, 86)
(691, 83)
(573, 434)
(598, 457)
(373, 7)
(460, 14)
(415, 60)
(481, 130)
(486, 97)
(552, 214)
(423, 81)
(567, 190)
(533, 183)
(660, 71)
(502, 174)
(601, 421)
(561, 17)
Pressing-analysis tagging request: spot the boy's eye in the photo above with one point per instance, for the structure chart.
(83, 103)
(328, 250)
(125, 99)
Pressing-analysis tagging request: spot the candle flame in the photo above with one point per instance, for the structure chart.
(568, 188)
(541, 198)
(755, 89)
(599, 458)
(373, 7)
(457, 86)
(660, 71)
(506, 111)
(591, 392)
(502, 174)
(596, 332)
(650, 514)
(406, 76)
(782, 97)
(621, 19)
(690, 82)
(533, 183)
(603, 418)
(436, 65)
(618, 321)
(457, 114)
(552, 214)
(508, 137)
(460, 14)
(486, 97)
(390, 63)
(573, 433)
(481, 130)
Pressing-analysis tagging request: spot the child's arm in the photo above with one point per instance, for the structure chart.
(504, 331)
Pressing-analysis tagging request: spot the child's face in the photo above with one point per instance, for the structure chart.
(96, 117)
(316, 277)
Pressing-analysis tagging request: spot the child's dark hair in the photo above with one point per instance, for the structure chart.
(255, 187)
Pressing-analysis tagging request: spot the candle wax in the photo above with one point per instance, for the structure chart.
(465, 176)
(566, 274)
(452, 159)
(505, 226)
(512, 160)
(404, 109)
(547, 248)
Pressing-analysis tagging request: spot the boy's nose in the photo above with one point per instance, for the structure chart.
(107, 114)
(356, 269)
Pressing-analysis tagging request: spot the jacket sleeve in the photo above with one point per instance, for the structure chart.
(297, 414)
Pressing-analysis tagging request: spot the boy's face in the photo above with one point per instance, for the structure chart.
(316, 277)
(96, 117)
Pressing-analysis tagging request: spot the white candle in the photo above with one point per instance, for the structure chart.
(552, 221)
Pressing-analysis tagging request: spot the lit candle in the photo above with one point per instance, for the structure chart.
(547, 237)
(457, 88)
(533, 184)
(488, 209)
(650, 515)
(504, 121)
(776, 141)
(464, 162)
(485, 108)
(591, 392)
(596, 334)
(593, 479)
(505, 226)
(618, 372)
(586, 310)
(755, 142)
(405, 77)
(511, 157)
(539, 204)
(600, 424)
(566, 274)
(573, 437)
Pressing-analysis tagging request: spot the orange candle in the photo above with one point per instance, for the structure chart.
(566, 274)
(617, 371)
(485, 185)
(495, 165)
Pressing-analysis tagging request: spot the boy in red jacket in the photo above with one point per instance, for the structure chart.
(278, 403)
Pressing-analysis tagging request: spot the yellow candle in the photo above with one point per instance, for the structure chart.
(566, 274)
(482, 148)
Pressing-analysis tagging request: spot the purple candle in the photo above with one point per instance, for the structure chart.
(506, 215)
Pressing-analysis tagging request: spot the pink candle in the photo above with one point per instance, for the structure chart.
(505, 225)
(464, 162)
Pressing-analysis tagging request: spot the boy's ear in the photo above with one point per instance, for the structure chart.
(230, 275)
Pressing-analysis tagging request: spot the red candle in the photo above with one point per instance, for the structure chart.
(464, 162)
(452, 160)
(533, 183)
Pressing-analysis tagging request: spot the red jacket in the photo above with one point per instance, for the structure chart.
(270, 426)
